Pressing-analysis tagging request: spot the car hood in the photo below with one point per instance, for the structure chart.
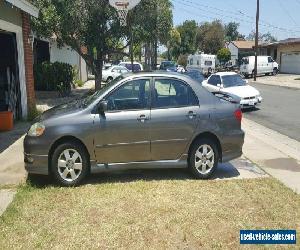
(61, 110)
(242, 91)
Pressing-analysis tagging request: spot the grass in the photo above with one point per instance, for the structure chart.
(155, 213)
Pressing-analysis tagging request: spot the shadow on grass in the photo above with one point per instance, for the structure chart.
(224, 171)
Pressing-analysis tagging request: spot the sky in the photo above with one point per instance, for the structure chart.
(279, 17)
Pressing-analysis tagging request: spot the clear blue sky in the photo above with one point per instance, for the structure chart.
(280, 17)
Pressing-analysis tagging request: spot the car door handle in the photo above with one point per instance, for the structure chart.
(142, 118)
(191, 115)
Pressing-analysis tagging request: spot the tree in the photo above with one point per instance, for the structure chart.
(187, 32)
(182, 60)
(173, 44)
(210, 37)
(232, 33)
(90, 24)
(263, 37)
(224, 55)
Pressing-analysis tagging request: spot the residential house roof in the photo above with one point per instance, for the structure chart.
(243, 44)
(26, 6)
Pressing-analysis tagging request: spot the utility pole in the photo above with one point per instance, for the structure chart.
(256, 39)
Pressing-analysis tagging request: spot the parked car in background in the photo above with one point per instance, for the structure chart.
(167, 64)
(141, 120)
(195, 74)
(113, 72)
(106, 66)
(136, 66)
(265, 65)
(232, 83)
(204, 62)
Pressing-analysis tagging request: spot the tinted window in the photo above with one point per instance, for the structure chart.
(172, 93)
(136, 67)
(214, 80)
(233, 80)
(130, 96)
(270, 60)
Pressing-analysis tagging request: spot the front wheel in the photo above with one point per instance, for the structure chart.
(69, 164)
(203, 158)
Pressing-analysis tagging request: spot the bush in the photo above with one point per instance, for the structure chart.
(54, 77)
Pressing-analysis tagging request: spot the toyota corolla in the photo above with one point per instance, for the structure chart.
(142, 120)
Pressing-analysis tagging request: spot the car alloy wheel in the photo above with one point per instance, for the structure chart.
(69, 165)
(204, 159)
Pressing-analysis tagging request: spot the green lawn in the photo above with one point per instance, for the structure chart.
(134, 211)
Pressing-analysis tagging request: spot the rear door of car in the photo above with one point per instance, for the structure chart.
(174, 117)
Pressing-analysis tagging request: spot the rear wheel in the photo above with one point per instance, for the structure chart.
(203, 158)
(69, 164)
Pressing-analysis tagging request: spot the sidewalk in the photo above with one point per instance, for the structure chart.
(283, 80)
(277, 154)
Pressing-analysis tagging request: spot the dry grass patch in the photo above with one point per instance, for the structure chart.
(154, 214)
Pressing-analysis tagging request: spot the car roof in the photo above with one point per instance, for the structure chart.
(159, 73)
(225, 73)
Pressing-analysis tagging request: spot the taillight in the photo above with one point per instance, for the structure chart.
(238, 115)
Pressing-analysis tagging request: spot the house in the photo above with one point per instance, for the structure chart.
(285, 52)
(239, 49)
(16, 60)
(50, 51)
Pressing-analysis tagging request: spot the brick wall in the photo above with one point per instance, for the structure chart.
(28, 59)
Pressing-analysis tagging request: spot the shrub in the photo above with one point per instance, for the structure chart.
(54, 77)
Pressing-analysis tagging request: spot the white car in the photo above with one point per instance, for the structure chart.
(136, 66)
(233, 84)
(113, 72)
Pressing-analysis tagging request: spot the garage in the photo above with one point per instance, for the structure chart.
(290, 62)
(10, 95)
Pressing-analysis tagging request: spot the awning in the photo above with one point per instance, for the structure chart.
(25, 6)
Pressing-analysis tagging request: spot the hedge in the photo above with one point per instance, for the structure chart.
(54, 77)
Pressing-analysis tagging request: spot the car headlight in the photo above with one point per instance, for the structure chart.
(36, 129)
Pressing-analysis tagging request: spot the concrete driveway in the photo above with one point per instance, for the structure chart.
(284, 80)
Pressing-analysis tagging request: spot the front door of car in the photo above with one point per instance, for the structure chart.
(123, 131)
(174, 116)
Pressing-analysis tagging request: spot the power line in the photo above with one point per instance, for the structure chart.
(194, 5)
(287, 12)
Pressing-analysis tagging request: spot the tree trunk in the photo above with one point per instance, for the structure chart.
(98, 71)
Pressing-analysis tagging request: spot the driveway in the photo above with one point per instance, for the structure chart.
(284, 80)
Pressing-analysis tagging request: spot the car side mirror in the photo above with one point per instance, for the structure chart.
(102, 107)
(219, 85)
(246, 81)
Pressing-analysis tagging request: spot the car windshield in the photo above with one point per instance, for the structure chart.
(196, 75)
(90, 99)
(232, 81)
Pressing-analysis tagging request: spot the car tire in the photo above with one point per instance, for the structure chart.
(109, 79)
(69, 164)
(202, 165)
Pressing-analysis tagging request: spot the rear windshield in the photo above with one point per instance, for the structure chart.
(232, 81)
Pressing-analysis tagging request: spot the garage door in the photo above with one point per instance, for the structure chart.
(290, 63)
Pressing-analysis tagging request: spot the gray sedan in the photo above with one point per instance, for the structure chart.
(141, 120)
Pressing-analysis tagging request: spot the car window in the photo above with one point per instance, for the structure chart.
(172, 93)
(232, 81)
(132, 95)
(208, 63)
(214, 80)
(270, 60)
(196, 75)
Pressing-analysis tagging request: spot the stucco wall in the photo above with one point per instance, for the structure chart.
(9, 14)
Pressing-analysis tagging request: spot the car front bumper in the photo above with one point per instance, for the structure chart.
(35, 158)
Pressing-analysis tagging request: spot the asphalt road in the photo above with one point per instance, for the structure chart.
(280, 110)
